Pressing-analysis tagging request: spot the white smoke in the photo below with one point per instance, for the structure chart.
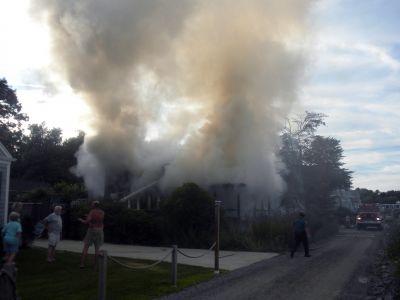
(196, 88)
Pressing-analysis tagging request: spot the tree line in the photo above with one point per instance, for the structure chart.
(369, 196)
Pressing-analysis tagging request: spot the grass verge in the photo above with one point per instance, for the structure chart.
(63, 279)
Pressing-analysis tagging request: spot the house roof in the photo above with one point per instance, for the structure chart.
(4, 154)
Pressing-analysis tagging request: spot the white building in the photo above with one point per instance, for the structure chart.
(5, 164)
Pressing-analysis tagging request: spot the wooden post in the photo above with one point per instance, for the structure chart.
(138, 203)
(148, 203)
(216, 249)
(238, 206)
(174, 265)
(102, 287)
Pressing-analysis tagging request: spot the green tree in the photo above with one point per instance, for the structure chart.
(323, 172)
(389, 197)
(11, 118)
(368, 196)
(296, 139)
(314, 165)
(43, 156)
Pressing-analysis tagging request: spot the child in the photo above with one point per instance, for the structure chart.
(11, 238)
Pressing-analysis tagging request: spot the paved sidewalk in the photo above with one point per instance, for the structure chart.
(229, 260)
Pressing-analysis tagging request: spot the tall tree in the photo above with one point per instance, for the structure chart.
(43, 156)
(296, 139)
(323, 172)
(11, 118)
(314, 165)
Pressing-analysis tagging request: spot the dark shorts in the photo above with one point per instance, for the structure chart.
(10, 247)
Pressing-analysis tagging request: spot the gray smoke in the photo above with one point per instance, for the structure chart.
(197, 88)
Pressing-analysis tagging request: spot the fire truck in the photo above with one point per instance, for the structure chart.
(369, 216)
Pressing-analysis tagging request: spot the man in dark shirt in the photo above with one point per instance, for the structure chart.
(300, 235)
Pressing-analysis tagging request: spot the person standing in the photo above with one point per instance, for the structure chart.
(11, 238)
(94, 234)
(53, 223)
(301, 235)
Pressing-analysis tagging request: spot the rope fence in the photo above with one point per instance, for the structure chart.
(174, 259)
(174, 266)
(139, 267)
(197, 256)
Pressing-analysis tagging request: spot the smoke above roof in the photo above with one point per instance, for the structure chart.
(185, 90)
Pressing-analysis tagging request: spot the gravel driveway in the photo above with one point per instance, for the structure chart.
(335, 271)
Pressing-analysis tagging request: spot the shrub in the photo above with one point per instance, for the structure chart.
(189, 216)
(237, 241)
(128, 226)
(121, 225)
(393, 242)
(273, 233)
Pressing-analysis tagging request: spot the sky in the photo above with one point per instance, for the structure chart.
(352, 77)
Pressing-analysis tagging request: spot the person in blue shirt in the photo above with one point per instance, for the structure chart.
(300, 235)
(11, 238)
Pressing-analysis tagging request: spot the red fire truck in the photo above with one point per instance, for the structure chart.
(369, 216)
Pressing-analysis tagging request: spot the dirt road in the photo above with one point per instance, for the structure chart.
(335, 271)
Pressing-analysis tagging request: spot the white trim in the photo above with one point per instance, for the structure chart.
(6, 159)
(133, 194)
(7, 154)
(7, 188)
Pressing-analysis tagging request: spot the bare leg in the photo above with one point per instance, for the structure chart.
(53, 253)
(84, 254)
(50, 253)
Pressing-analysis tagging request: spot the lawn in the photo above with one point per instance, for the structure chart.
(63, 279)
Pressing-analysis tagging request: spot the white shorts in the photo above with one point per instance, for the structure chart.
(54, 238)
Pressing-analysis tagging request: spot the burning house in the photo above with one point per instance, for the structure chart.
(237, 201)
(200, 87)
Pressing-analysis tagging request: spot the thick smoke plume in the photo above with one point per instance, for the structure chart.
(190, 90)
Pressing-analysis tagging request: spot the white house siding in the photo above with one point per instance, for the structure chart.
(5, 162)
(3, 192)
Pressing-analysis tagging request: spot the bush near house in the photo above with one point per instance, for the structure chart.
(121, 225)
(273, 233)
(186, 218)
(189, 216)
